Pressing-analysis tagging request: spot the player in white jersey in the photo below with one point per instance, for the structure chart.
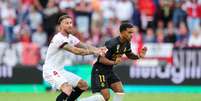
(71, 85)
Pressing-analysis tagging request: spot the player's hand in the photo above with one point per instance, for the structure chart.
(118, 60)
(100, 51)
(103, 50)
(143, 52)
(97, 52)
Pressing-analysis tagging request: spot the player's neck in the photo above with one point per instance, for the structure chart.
(64, 33)
(122, 40)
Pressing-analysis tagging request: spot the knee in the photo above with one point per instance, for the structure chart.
(82, 85)
(118, 90)
(66, 88)
(106, 97)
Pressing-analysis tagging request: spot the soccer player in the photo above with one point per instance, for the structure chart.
(103, 76)
(71, 85)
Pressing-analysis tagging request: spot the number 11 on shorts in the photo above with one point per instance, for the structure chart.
(102, 78)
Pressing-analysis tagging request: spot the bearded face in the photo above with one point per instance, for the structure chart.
(67, 25)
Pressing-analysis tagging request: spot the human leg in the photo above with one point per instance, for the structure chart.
(81, 87)
(118, 89)
(116, 86)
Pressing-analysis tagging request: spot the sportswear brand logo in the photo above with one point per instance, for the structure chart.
(102, 84)
(55, 73)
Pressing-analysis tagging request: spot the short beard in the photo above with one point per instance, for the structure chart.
(68, 32)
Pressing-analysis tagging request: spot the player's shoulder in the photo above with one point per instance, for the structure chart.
(57, 37)
(112, 42)
(72, 37)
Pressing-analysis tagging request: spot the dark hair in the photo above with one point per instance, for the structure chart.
(61, 18)
(124, 26)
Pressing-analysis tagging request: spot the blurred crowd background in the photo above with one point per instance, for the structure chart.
(32, 23)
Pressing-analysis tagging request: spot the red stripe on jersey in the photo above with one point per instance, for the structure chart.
(62, 45)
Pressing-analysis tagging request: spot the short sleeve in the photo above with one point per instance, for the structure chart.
(73, 40)
(111, 49)
(58, 42)
(108, 45)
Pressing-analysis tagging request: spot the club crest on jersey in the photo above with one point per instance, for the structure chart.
(55, 73)
(102, 84)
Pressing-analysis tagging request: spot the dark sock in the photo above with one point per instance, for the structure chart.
(61, 97)
(75, 94)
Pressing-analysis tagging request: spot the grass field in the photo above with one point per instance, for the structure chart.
(128, 96)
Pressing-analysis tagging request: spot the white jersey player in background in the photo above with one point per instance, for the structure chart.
(71, 85)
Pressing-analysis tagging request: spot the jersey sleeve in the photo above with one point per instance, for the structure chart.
(111, 49)
(75, 40)
(108, 45)
(58, 42)
(128, 48)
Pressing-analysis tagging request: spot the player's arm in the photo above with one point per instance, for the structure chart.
(101, 50)
(86, 46)
(77, 51)
(133, 56)
(106, 61)
(110, 49)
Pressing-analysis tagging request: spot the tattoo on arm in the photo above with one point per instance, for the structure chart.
(77, 51)
(86, 46)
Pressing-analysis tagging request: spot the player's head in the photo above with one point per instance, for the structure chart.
(65, 23)
(126, 30)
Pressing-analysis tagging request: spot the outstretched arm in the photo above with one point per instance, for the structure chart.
(86, 46)
(133, 56)
(77, 51)
(101, 51)
(106, 61)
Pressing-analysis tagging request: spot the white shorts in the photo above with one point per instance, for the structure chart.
(58, 77)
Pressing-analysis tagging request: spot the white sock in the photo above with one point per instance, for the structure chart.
(95, 97)
(118, 97)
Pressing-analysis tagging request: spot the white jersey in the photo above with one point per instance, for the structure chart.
(55, 58)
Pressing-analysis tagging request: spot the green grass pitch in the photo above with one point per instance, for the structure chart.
(50, 96)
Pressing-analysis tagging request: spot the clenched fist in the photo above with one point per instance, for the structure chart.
(143, 52)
